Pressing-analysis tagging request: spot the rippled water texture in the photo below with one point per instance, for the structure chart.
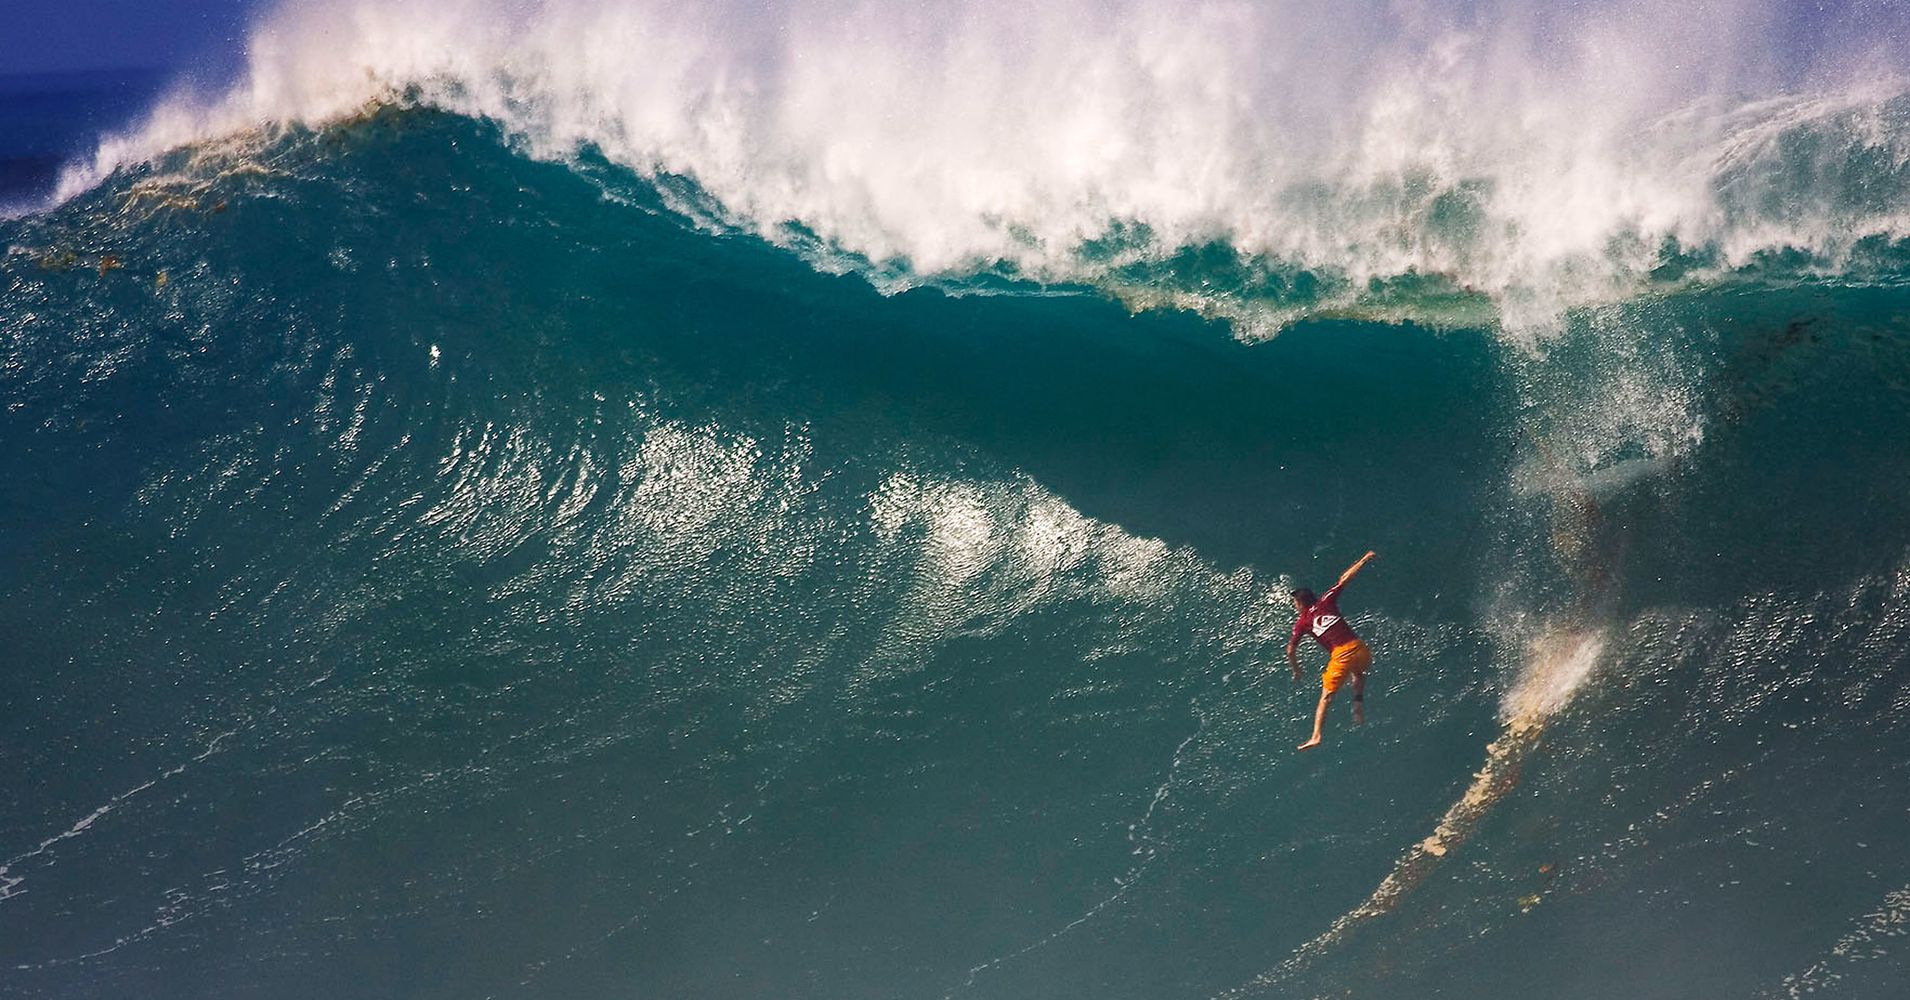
(445, 555)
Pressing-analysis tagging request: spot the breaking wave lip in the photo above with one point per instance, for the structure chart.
(1487, 164)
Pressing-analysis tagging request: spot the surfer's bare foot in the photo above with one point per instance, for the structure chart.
(1310, 744)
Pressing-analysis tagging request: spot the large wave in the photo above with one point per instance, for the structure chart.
(1262, 161)
(480, 570)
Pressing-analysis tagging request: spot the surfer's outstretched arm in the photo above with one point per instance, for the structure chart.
(1353, 569)
(1293, 658)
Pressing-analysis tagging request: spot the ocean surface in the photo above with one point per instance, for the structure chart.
(620, 500)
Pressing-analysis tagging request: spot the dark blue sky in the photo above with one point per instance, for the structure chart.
(44, 36)
(41, 36)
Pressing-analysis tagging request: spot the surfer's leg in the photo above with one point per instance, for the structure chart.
(1319, 719)
(1359, 698)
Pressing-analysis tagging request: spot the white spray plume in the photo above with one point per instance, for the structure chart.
(1539, 157)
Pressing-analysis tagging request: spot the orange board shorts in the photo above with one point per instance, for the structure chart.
(1348, 658)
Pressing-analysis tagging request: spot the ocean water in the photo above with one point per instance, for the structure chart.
(620, 500)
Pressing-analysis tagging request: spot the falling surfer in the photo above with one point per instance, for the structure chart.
(1347, 655)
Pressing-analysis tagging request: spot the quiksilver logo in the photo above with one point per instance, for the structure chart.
(1324, 622)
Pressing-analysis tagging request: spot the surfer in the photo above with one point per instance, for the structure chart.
(1321, 617)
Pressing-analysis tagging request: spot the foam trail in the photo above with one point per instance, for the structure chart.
(1558, 662)
(9, 883)
(1124, 885)
(1866, 941)
(1535, 159)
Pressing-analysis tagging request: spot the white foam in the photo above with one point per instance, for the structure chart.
(1558, 664)
(1540, 158)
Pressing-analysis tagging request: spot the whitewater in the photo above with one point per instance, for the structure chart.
(1344, 156)
(737, 500)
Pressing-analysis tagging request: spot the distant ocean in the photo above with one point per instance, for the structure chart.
(50, 119)
(644, 500)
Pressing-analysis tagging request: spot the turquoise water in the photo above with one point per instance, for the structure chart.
(433, 570)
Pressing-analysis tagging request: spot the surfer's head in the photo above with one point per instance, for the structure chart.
(1303, 598)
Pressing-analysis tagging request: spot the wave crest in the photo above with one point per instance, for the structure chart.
(1299, 159)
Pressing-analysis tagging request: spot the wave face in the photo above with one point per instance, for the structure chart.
(482, 523)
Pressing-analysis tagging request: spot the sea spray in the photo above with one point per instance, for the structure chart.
(602, 601)
(1340, 159)
(1558, 662)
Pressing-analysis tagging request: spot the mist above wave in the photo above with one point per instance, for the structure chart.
(1534, 159)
